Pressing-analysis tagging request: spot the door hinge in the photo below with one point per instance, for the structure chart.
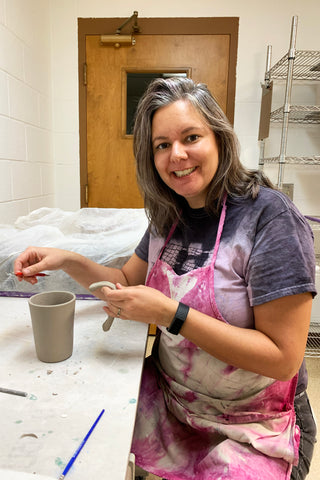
(84, 74)
(86, 194)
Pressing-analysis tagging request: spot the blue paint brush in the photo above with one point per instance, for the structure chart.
(73, 458)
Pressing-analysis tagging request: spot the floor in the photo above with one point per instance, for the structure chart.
(313, 365)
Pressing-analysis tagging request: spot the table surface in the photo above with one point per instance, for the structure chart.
(41, 432)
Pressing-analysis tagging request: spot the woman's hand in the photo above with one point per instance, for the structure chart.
(36, 259)
(140, 303)
(83, 270)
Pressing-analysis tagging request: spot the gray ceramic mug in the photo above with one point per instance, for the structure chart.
(52, 316)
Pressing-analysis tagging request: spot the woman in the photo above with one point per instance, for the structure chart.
(226, 271)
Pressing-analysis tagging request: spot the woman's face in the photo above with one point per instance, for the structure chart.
(185, 151)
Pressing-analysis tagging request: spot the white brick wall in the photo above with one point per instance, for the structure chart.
(26, 151)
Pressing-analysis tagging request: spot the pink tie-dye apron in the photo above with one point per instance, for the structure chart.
(202, 419)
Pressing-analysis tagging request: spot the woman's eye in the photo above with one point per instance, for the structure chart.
(162, 146)
(192, 138)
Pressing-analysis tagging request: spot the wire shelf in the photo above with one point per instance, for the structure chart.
(312, 160)
(306, 66)
(307, 114)
(313, 342)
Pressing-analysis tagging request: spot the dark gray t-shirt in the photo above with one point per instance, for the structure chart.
(266, 252)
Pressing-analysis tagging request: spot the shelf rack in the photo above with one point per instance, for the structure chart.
(306, 65)
(311, 160)
(296, 65)
(307, 114)
(313, 341)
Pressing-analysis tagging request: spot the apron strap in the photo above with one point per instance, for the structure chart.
(220, 227)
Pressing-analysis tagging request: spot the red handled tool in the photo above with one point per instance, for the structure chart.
(20, 274)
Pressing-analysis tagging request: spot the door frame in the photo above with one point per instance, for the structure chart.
(150, 26)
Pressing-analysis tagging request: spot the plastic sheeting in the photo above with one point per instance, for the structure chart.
(106, 235)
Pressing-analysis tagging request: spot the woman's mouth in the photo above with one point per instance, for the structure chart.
(183, 173)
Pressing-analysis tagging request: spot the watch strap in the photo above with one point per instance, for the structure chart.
(179, 319)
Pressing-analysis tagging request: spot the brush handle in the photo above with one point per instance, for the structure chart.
(74, 456)
(20, 274)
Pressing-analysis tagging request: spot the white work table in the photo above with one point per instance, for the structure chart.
(41, 432)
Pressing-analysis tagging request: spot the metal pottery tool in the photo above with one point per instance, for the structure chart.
(95, 286)
(13, 392)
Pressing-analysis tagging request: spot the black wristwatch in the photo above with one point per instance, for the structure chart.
(179, 319)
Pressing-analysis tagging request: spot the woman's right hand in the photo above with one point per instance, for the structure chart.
(36, 259)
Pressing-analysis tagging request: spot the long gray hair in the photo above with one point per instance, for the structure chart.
(163, 206)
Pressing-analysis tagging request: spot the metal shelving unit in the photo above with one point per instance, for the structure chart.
(306, 62)
(311, 160)
(296, 65)
(300, 66)
(307, 114)
(313, 341)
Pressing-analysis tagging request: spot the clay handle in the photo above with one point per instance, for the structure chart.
(95, 286)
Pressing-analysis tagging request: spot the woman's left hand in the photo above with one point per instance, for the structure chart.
(139, 303)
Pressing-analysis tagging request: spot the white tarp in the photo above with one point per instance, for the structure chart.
(105, 235)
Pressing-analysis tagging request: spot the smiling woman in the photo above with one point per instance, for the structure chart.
(182, 97)
(185, 151)
(226, 270)
(217, 241)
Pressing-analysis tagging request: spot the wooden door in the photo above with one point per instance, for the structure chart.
(109, 162)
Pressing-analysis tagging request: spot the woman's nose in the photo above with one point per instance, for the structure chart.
(178, 151)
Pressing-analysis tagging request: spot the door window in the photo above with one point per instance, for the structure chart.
(137, 83)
